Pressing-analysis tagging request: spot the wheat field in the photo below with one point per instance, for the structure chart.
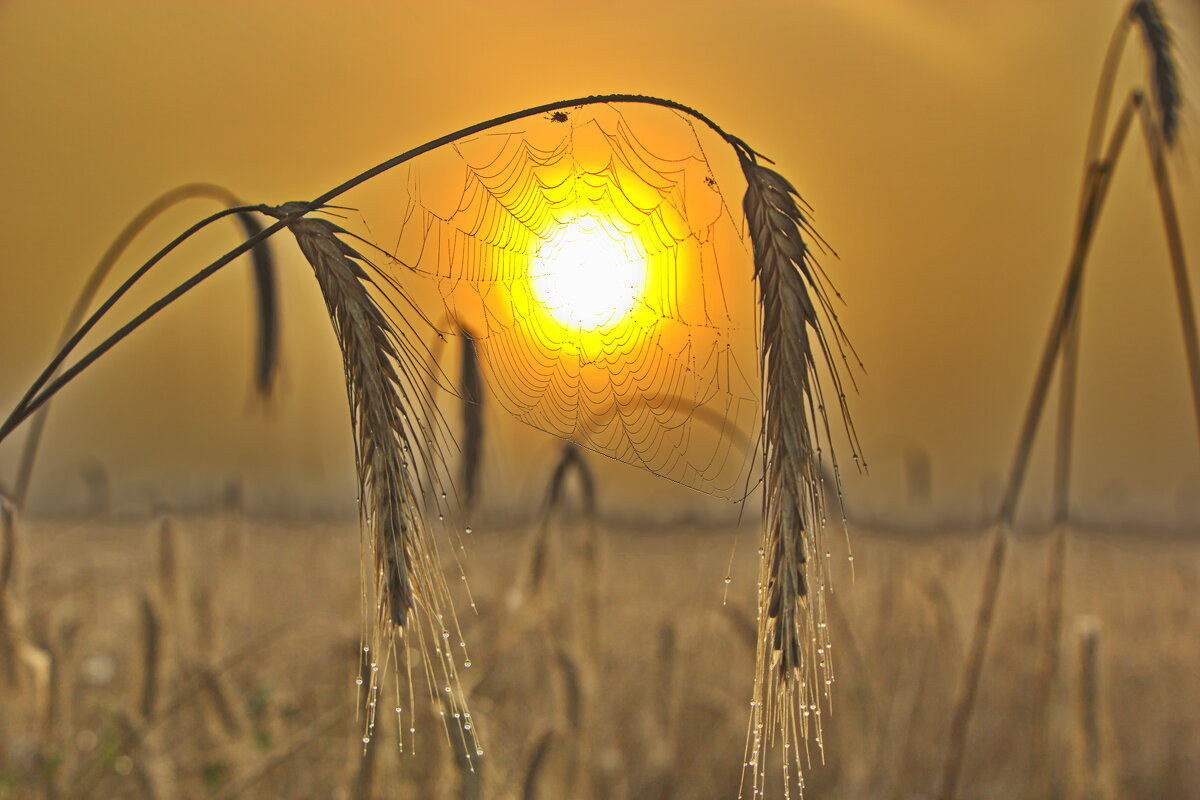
(253, 627)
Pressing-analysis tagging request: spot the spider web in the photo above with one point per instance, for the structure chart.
(671, 386)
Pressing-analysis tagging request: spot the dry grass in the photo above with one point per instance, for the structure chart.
(670, 676)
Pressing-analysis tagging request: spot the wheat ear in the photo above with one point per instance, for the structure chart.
(390, 415)
(1164, 76)
(793, 671)
(470, 387)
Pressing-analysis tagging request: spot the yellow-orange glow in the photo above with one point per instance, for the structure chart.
(586, 278)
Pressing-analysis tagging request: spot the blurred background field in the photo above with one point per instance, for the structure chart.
(253, 626)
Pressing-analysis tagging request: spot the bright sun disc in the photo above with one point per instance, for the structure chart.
(585, 278)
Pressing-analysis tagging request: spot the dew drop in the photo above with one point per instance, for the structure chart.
(366, 740)
(728, 580)
(468, 531)
(358, 681)
(467, 663)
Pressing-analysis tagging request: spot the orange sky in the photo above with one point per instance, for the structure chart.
(939, 143)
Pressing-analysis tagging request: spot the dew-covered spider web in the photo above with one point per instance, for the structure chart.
(598, 257)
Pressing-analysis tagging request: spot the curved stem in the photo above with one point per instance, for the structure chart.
(1183, 289)
(516, 115)
(968, 692)
(1099, 180)
(1104, 91)
(33, 399)
(24, 408)
(1068, 378)
(88, 294)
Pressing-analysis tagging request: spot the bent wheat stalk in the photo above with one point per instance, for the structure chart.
(794, 667)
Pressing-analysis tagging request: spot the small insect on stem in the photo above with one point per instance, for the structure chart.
(558, 116)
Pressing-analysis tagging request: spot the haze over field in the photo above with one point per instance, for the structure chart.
(940, 146)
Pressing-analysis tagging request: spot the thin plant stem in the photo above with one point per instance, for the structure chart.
(24, 407)
(973, 668)
(32, 399)
(1099, 180)
(1104, 92)
(1048, 666)
(1097, 184)
(88, 294)
(1067, 391)
(1070, 357)
(1170, 218)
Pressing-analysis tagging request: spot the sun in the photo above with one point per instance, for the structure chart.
(585, 277)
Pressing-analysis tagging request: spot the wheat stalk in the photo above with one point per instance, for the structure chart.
(267, 317)
(1166, 99)
(1062, 341)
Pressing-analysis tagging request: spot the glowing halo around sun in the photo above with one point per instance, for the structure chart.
(585, 277)
(600, 266)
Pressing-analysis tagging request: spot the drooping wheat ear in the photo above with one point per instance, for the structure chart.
(394, 445)
(470, 387)
(793, 665)
(1164, 76)
(379, 413)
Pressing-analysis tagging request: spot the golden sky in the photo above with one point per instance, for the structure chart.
(939, 143)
